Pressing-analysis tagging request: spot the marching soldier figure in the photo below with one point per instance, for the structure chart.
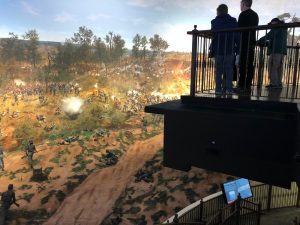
(7, 199)
(144, 124)
(29, 152)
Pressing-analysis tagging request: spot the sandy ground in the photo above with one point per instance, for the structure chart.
(93, 200)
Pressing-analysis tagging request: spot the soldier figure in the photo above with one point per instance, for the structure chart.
(4, 98)
(41, 99)
(142, 220)
(16, 98)
(7, 199)
(29, 152)
(76, 89)
(111, 158)
(144, 124)
(1, 158)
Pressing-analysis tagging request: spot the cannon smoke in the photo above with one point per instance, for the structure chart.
(72, 106)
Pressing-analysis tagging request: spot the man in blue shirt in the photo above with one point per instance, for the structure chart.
(224, 47)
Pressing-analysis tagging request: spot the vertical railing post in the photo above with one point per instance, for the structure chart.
(238, 210)
(194, 62)
(220, 219)
(296, 65)
(258, 214)
(269, 197)
(298, 196)
(201, 210)
(260, 66)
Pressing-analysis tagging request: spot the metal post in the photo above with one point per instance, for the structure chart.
(258, 214)
(238, 209)
(269, 197)
(220, 219)
(194, 62)
(201, 210)
(298, 196)
(260, 66)
(296, 65)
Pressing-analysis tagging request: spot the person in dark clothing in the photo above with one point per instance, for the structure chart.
(30, 150)
(276, 40)
(247, 18)
(175, 219)
(143, 220)
(7, 199)
(224, 46)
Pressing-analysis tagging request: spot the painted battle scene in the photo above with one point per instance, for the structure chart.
(77, 145)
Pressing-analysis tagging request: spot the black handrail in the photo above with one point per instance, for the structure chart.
(260, 27)
(203, 69)
(265, 197)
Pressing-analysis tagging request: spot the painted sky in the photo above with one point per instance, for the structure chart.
(56, 20)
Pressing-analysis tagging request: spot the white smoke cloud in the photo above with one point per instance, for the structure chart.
(19, 82)
(72, 106)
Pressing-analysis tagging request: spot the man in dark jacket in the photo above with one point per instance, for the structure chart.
(276, 40)
(247, 18)
(224, 46)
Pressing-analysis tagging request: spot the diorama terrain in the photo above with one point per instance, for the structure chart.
(72, 181)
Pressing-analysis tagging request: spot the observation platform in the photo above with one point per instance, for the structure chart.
(256, 137)
(283, 216)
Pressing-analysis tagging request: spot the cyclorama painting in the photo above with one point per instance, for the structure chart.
(78, 147)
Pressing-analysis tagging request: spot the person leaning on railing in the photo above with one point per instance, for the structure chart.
(224, 46)
(276, 41)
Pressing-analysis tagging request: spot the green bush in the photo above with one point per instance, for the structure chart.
(25, 131)
(48, 170)
(156, 216)
(25, 187)
(117, 118)
(151, 204)
(191, 195)
(133, 210)
(27, 197)
(60, 195)
(45, 199)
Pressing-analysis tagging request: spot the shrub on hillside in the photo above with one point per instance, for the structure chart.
(117, 118)
(24, 132)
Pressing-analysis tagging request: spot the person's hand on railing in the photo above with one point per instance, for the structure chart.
(237, 60)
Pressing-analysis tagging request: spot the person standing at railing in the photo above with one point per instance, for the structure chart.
(276, 41)
(224, 47)
(247, 18)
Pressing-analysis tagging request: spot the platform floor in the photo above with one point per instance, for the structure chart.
(288, 93)
(280, 216)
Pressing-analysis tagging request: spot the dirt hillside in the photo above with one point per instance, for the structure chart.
(93, 200)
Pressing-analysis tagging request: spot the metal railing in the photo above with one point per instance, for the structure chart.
(203, 65)
(240, 212)
(213, 210)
